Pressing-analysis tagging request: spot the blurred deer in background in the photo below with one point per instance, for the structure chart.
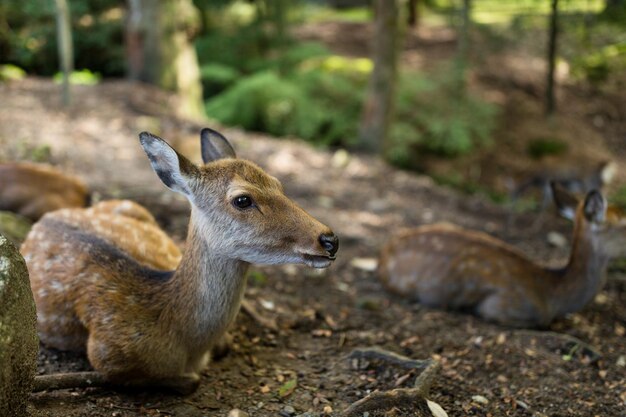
(32, 190)
(446, 266)
(146, 327)
(573, 179)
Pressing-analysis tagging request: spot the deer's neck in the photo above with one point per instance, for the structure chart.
(206, 289)
(584, 274)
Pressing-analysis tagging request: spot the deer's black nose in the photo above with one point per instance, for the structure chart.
(330, 243)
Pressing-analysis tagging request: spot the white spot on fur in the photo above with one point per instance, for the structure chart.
(57, 286)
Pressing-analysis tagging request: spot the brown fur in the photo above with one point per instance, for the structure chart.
(447, 266)
(34, 189)
(140, 325)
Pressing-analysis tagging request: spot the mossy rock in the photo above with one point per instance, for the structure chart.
(14, 227)
(18, 334)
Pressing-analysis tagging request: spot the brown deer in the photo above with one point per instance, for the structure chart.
(32, 190)
(446, 266)
(145, 327)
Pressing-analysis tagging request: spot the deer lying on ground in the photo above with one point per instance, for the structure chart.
(54, 189)
(446, 266)
(124, 224)
(145, 327)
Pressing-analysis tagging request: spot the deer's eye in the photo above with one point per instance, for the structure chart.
(243, 202)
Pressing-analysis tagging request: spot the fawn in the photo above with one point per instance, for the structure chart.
(142, 326)
(53, 190)
(447, 266)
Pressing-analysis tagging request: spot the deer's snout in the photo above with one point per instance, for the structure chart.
(330, 243)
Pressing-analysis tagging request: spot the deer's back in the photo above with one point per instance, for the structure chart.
(35, 189)
(446, 266)
(82, 280)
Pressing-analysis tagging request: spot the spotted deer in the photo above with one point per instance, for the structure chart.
(446, 266)
(142, 326)
(32, 190)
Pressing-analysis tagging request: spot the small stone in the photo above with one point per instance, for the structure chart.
(556, 239)
(621, 361)
(289, 410)
(365, 264)
(480, 399)
(328, 409)
(235, 412)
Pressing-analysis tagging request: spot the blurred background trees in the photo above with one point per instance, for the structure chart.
(298, 68)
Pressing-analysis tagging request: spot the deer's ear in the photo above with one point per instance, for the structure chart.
(174, 170)
(215, 146)
(566, 202)
(595, 207)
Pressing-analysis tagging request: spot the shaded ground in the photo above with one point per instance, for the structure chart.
(323, 316)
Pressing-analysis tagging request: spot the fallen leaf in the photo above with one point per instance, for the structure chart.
(436, 409)
(288, 387)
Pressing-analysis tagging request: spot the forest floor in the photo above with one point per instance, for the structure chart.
(322, 316)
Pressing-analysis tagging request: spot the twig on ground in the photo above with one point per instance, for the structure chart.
(399, 397)
(69, 380)
(249, 309)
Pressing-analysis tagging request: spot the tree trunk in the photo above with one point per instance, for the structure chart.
(160, 51)
(378, 107)
(552, 39)
(463, 47)
(66, 50)
(414, 13)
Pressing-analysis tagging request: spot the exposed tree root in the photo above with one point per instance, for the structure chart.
(384, 401)
(249, 309)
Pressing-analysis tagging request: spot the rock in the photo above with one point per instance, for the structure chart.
(18, 334)
(556, 239)
(235, 412)
(14, 227)
(289, 410)
(480, 399)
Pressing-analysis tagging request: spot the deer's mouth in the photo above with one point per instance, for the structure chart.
(317, 261)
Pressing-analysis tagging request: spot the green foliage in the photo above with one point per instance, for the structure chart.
(295, 105)
(11, 72)
(597, 66)
(217, 78)
(82, 77)
(30, 40)
(540, 147)
(434, 117)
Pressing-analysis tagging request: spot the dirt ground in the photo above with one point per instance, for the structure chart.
(303, 368)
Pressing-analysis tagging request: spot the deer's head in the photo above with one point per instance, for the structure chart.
(240, 210)
(594, 218)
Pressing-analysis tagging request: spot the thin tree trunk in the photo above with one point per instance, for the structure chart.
(463, 47)
(414, 13)
(66, 51)
(378, 106)
(552, 40)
